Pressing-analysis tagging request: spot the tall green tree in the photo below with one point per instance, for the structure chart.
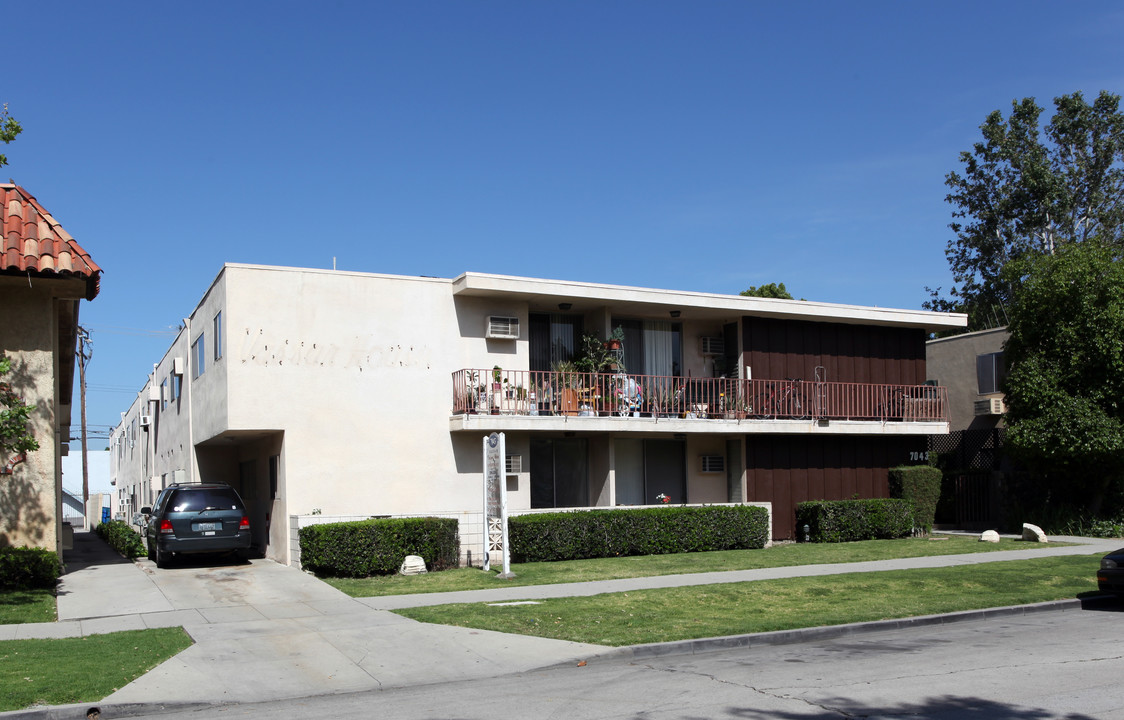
(772, 290)
(9, 128)
(1065, 380)
(1027, 190)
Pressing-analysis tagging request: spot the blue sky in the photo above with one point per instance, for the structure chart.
(704, 146)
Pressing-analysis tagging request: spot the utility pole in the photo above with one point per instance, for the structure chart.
(85, 352)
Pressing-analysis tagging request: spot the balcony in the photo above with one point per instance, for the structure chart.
(535, 396)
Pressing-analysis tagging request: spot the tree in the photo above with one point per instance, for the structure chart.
(15, 436)
(772, 290)
(1022, 195)
(1065, 381)
(9, 128)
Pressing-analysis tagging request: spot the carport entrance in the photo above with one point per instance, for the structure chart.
(251, 463)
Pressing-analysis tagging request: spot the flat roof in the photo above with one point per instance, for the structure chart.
(582, 296)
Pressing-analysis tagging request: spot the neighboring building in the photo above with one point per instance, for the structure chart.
(972, 367)
(44, 275)
(323, 394)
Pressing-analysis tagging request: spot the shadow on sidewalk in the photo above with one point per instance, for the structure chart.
(90, 550)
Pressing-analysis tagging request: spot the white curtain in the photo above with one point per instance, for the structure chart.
(657, 347)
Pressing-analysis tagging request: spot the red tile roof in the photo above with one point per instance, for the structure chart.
(33, 242)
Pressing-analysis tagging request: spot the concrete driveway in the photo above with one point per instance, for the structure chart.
(266, 631)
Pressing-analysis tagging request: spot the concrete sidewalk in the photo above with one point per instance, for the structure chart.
(1082, 546)
(264, 631)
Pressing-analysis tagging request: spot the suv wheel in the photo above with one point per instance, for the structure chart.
(161, 556)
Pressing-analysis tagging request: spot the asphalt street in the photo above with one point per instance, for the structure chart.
(1065, 664)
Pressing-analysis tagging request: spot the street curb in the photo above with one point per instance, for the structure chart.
(77, 711)
(831, 632)
(635, 652)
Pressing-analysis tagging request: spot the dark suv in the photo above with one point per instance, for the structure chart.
(196, 518)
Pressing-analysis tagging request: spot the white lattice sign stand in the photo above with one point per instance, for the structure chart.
(495, 502)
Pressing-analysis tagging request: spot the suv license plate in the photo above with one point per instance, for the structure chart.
(204, 527)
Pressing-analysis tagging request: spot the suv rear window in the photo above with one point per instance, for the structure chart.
(196, 499)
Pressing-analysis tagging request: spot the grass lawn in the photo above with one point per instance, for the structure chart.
(548, 573)
(667, 614)
(85, 669)
(26, 606)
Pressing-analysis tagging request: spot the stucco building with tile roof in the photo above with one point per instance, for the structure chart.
(44, 276)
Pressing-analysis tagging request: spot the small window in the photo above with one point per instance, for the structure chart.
(199, 355)
(218, 336)
(164, 394)
(990, 372)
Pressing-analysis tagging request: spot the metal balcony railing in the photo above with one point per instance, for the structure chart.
(535, 393)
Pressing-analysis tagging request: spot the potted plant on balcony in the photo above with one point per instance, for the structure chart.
(616, 339)
(497, 389)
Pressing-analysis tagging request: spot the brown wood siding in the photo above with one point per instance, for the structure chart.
(789, 469)
(775, 349)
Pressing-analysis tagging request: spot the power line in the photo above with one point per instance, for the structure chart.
(112, 389)
(143, 332)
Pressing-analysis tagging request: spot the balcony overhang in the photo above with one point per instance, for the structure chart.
(477, 423)
(582, 297)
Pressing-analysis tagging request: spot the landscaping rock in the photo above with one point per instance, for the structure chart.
(412, 565)
(1033, 533)
(989, 536)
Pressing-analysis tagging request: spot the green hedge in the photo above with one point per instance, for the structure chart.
(645, 531)
(121, 536)
(378, 547)
(921, 486)
(850, 520)
(25, 567)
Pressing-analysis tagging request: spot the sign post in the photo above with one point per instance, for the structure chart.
(495, 503)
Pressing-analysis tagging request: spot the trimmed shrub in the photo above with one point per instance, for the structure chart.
(580, 534)
(24, 567)
(121, 536)
(921, 486)
(850, 520)
(378, 547)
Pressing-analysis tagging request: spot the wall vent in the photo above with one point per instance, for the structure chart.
(713, 464)
(502, 328)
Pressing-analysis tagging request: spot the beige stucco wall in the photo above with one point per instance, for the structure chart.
(30, 496)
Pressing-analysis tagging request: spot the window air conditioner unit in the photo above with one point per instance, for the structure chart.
(145, 420)
(713, 463)
(713, 346)
(990, 406)
(153, 393)
(502, 328)
(177, 366)
(514, 464)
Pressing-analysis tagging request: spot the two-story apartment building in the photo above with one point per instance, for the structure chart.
(343, 394)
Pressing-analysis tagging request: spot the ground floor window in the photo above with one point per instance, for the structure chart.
(559, 472)
(646, 469)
